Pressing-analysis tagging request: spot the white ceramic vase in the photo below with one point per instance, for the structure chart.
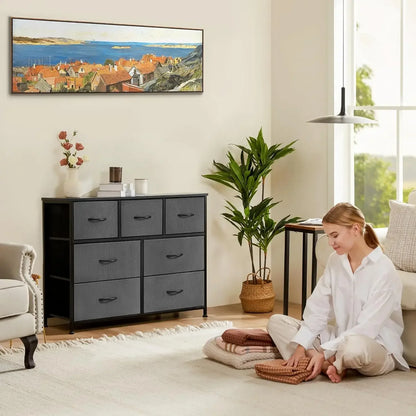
(72, 184)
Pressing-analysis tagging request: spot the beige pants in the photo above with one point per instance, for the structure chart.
(358, 352)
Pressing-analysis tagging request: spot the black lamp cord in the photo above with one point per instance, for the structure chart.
(342, 111)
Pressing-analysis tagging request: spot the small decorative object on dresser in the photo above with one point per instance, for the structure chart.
(72, 184)
(247, 175)
(111, 189)
(72, 160)
(115, 174)
(123, 257)
(141, 186)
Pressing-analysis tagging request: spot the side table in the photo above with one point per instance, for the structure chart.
(315, 230)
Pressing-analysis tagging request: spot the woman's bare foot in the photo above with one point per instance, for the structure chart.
(333, 375)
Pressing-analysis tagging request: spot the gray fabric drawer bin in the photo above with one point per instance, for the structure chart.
(97, 219)
(105, 261)
(173, 255)
(142, 217)
(185, 215)
(104, 299)
(176, 291)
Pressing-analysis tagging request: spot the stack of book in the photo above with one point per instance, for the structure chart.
(111, 189)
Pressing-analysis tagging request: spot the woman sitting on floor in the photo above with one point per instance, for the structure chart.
(353, 319)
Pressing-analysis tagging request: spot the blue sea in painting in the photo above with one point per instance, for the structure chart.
(91, 52)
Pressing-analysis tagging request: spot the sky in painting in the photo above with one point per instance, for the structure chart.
(104, 32)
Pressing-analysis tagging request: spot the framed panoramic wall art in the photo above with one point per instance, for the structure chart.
(58, 56)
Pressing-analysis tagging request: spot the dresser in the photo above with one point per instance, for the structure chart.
(110, 258)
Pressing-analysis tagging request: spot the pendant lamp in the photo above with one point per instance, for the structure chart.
(342, 118)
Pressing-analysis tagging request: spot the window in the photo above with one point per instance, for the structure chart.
(385, 64)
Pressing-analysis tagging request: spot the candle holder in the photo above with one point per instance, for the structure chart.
(116, 174)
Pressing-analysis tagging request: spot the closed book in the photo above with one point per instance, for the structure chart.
(111, 186)
(110, 193)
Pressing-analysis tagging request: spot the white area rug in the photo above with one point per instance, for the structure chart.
(165, 373)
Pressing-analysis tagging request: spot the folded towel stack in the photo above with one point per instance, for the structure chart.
(247, 337)
(275, 371)
(241, 348)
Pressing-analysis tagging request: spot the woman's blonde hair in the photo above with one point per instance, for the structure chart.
(347, 215)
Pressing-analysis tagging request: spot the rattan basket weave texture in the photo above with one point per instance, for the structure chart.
(259, 297)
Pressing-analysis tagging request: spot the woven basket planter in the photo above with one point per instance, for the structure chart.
(259, 297)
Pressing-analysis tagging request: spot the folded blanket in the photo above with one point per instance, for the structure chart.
(239, 361)
(238, 349)
(247, 337)
(275, 371)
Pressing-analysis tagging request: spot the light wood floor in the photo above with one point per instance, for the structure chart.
(58, 330)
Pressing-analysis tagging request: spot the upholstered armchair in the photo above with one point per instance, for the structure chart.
(21, 302)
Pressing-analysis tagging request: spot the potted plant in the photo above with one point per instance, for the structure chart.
(247, 176)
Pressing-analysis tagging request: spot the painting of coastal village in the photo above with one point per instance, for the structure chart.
(55, 56)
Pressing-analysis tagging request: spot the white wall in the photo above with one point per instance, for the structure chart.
(267, 64)
(171, 139)
(301, 74)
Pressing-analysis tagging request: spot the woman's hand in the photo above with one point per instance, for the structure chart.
(293, 361)
(315, 364)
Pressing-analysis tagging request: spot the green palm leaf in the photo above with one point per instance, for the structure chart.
(246, 176)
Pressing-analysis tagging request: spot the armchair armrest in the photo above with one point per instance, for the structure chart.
(16, 262)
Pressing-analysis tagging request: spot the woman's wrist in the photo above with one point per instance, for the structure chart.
(301, 348)
(313, 353)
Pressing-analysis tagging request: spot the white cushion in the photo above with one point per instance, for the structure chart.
(400, 243)
(412, 197)
(409, 338)
(409, 290)
(17, 326)
(14, 297)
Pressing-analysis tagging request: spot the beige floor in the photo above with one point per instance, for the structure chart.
(57, 330)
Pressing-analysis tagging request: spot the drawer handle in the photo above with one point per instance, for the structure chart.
(107, 261)
(173, 256)
(142, 218)
(107, 300)
(186, 215)
(97, 219)
(174, 292)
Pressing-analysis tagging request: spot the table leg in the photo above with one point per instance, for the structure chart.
(304, 269)
(286, 274)
(314, 263)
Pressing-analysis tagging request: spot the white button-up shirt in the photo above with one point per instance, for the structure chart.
(366, 302)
